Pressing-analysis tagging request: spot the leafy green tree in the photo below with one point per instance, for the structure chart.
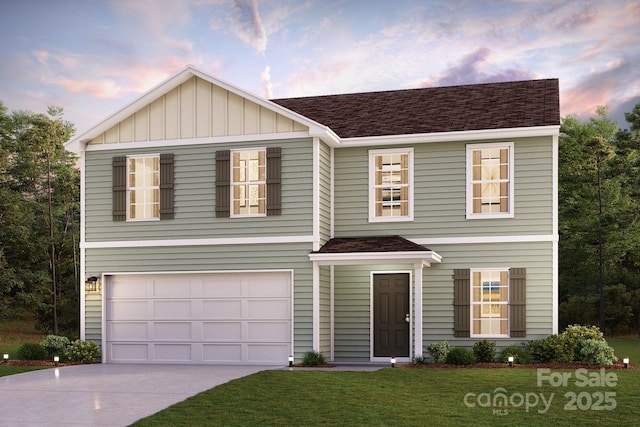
(39, 192)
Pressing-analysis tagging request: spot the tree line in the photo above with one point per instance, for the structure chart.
(599, 221)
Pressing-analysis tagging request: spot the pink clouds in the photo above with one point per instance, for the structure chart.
(96, 88)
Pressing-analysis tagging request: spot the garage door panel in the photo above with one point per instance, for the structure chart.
(269, 331)
(172, 352)
(129, 352)
(222, 309)
(267, 353)
(268, 309)
(231, 353)
(199, 318)
(129, 310)
(172, 309)
(172, 331)
(129, 331)
(220, 331)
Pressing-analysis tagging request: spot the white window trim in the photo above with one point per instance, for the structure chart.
(469, 187)
(232, 184)
(372, 193)
(128, 195)
(508, 304)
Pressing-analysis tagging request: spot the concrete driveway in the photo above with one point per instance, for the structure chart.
(105, 395)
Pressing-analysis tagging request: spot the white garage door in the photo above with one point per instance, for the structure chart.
(199, 318)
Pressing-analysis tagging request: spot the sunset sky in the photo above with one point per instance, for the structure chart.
(93, 57)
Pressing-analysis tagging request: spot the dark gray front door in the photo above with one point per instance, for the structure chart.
(390, 311)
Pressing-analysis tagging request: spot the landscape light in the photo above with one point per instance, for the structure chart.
(56, 360)
(6, 358)
(510, 361)
(625, 361)
(393, 361)
(290, 361)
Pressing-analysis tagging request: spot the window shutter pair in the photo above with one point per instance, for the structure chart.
(119, 178)
(462, 302)
(223, 182)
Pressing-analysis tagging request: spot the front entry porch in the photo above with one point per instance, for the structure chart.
(367, 298)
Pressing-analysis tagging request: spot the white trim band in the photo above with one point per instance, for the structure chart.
(196, 242)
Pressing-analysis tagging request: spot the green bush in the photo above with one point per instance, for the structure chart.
(596, 352)
(520, 355)
(31, 351)
(553, 348)
(55, 345)
(576, 335)
(461, 356)
(438, 351)
(485, 351)
(83, 352)
(313, 358)
(419, 360)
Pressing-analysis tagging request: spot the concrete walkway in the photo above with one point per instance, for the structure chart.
(105, 395)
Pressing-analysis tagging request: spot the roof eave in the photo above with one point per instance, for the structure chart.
(467, 135)
(361, 258)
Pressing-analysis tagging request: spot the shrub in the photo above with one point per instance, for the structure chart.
(553, 348)
(313, 358)
(485, 351)
(596, 352)
(461, 356)
(83, 352)
(520, 355)
(31, 351)
(438, 351)
(576, 335)
(55, 345)
(419, 360)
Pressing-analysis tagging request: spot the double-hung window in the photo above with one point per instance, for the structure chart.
(143, 187)
(248, 182)
(490, 180)
(391, 185)
(490, 303)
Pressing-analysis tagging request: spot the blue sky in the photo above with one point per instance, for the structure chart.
(92, 57)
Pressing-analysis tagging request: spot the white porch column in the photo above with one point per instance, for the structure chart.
(315, 299)
(417, 316)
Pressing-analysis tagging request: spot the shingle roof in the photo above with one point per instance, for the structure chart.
(438, 109)
(370, 244)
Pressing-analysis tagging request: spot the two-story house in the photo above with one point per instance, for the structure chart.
(221, 227)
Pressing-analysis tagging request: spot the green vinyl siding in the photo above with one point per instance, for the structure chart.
(210, 258)
(325, 192)
(194, 196)
(438, 294)
(325, 311)
(440, 193)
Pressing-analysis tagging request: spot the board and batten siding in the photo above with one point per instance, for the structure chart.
(438, 295)
(440, 193)
(197, 109)
(194, 196)
(209, 259)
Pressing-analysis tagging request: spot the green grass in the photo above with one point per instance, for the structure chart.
(409, 397)
(12, 370)
(626, 346)
(15, 332)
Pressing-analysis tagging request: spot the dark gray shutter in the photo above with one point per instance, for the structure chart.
(223, 183)
(461, 302)
(119, 202)
(166, 186)
(274, 186)
(517, 302)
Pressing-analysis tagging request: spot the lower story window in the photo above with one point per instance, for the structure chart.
(490, 303)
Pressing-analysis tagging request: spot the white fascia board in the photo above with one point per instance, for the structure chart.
(361, 258)
(79, 143)
(467, 135)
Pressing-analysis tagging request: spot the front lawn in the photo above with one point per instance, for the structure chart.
(11, 370)
(414, 397)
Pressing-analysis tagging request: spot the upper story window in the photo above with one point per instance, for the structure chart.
(143, 187)
(248, 182)
(490, 180)
(490, 303)
(391, 185)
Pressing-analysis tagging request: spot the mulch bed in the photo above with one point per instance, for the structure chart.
(43, 363)
(573, 365)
